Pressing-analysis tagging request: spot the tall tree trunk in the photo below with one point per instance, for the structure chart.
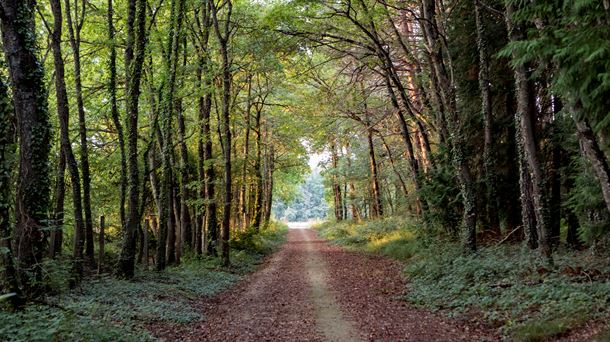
(114, 111)
(489, 159)
(63, 111)
(74, 30)
(30, 103)
(223, 35)
(528, 212)
(421, 204)
(337, 198)
(447, 93)
(270, 184)
(258, 199)
(209, 173)
(376, 192)
(9, 283)
(243, 203)
(57, 234)
(204, 107)
(403, 185)
(185, 222)
(524, 119)
(167, 237)
(136, 39)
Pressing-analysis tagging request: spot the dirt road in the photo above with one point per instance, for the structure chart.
(312, 291)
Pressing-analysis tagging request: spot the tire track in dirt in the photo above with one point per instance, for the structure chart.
(330, 321)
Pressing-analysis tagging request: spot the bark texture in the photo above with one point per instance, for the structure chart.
(30, 103)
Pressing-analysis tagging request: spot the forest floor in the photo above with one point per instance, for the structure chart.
(314, 291)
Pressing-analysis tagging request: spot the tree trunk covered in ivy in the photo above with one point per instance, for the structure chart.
(30, 103)
(185, 219)
(489, 159)
(524, 120)
(243, 200)
(114, 111)
(223, 35)
(207, 174)
(134, 59)
(454, 122)
(8, 156)
(595, 155)
(167, 233)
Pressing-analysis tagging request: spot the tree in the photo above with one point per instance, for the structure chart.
(134, 59)
(30, 103)
(10, 282)
(63, 111)
(177, 10)
(223, 35)
(74, 34)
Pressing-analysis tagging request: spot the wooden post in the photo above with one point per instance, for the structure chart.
(101, 245)
(145, 231)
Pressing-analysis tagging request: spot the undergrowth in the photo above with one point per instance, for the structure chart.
(508, 287)
(105, 308)
(390, 236)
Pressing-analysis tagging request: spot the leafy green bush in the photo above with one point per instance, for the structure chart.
(264, 241)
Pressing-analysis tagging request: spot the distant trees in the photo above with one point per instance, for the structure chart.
(309, 202)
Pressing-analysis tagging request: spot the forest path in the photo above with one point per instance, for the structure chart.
(313, 291)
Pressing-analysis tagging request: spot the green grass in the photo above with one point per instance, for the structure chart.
(508, 287)
(538, 331)
(109, 309)
(393, 237)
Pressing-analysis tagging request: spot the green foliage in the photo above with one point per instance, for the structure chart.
(46, 323)
(442, 193)
(573, 37)
(508, 285)
(105, 308)
(109, 309)
(392, 236)
(538, 331)
(263, 242)
(586, 201)
(308, 205)
(511, 287)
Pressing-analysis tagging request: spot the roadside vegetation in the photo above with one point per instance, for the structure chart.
(104, 308)
(504, 286)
